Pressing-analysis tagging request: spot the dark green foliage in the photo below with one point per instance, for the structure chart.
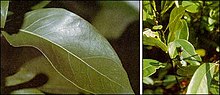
(187, 25)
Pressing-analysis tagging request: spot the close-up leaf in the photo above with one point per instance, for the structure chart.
(4, 12)
(68, 42)
(200, 82)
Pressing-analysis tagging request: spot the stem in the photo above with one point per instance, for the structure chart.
(163, 37)
(174, 70)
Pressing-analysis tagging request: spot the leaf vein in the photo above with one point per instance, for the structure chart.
(72, 55)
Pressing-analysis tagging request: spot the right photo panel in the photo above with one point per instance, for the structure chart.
(180, 47)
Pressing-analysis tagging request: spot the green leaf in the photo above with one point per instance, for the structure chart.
(166, 5)
(214, 89)
(154, 42)
(191, 6)
(158, 27)
(200, 82)
(170, 81)
(121, 14)
(201, 52)
(183, 32)
(169, 78)
(74, 49)
(147, 11)
(40, 65)
(216, 76)
(188, 50)
(175, 23)
(187, 71)
(187, 17)
(27, 91)
(4, 12)
(10, 13)
(150, 66)
(148, 80)
(174, 30)
(152, 38)
(176, 3)
(148, 91)
(21, 76)
(40, 5)
(211, 21)
(176, 14)
(159, 90)
(33, 63)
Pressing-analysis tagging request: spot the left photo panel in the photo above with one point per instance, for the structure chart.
(70, 47)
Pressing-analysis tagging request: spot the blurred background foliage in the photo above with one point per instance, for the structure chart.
(202, 18)
(118, 21)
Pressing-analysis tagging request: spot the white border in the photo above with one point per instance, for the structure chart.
(141, 24)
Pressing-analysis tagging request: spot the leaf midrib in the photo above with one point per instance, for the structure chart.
(174, 19)
(72, 55)
(187, 52)
(203, 75)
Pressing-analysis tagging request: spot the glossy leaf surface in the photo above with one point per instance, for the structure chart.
(74, 49)
(4, 11)
(175, 23)
(188, 50)
(183, 32)
(200, 82)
